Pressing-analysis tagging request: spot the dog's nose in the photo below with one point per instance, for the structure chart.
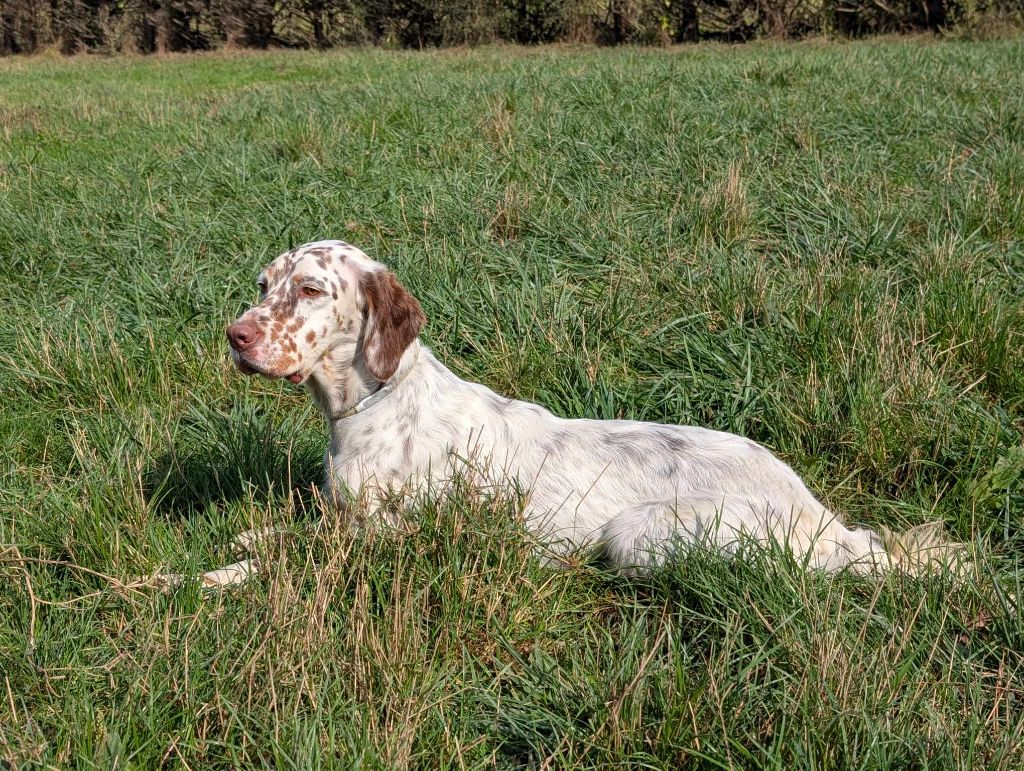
(242, 335)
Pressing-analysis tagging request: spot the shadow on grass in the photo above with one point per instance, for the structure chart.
(244, 453)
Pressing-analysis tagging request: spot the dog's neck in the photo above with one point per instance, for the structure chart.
(341, 383)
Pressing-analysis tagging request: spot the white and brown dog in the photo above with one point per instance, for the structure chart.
(340, 323)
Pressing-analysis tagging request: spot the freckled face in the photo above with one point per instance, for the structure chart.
(307, 305)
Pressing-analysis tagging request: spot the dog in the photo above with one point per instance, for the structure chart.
(341, 324)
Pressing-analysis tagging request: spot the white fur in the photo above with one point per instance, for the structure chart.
(637, 490)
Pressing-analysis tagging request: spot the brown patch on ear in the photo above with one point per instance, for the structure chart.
(393, 321)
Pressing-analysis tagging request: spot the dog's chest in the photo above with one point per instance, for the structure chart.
(390, 454)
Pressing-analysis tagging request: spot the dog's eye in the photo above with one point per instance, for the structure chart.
(262, 286)
(310, 291)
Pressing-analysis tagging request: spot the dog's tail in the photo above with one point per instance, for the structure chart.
(924, 549)
(920, 550)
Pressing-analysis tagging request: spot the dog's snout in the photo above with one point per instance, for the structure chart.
(243, 335)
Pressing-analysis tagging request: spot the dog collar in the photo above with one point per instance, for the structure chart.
(383, 392)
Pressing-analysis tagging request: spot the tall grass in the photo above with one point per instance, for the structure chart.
(817, 246)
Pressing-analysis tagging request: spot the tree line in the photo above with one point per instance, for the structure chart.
(149, 26)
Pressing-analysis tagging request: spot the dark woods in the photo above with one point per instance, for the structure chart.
(149, 26)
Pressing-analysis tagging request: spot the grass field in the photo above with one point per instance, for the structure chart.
(820, 246)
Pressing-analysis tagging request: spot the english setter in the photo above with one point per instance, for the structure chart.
(341, 324)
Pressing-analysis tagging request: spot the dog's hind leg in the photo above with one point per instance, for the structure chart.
(644, 536)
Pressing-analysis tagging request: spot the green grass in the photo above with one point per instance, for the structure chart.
(818, 246)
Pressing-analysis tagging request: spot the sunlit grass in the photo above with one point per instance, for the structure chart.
(820, 247)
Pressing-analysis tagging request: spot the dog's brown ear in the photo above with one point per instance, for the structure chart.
(393, 321)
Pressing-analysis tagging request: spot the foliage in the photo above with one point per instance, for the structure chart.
(189, 25)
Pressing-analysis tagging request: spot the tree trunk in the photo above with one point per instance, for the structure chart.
(685, 24)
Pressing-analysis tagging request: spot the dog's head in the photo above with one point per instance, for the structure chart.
(323, 298)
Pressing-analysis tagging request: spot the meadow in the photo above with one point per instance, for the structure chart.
(817, 245)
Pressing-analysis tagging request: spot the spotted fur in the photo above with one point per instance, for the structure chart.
(341, 323)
